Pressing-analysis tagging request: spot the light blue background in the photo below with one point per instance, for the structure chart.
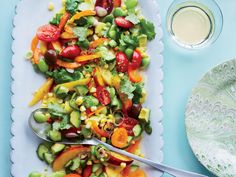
(182, 70)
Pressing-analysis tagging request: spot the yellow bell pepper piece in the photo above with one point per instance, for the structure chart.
(43, 47)
(41, 92)
(66, 35)
(116, 82)
(84, 58)
(72, 84)
(78, 15)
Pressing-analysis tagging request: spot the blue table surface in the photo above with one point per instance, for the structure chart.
(182, 70)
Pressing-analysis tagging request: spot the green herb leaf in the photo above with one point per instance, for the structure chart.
(133, 18)
(148, 29)
(81, 33)
(127, 87)
(137, 93)
(72, 5)
(56, 19)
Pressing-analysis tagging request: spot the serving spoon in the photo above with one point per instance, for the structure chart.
(40, 130)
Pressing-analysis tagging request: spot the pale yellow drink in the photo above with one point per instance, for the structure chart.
(191, 25)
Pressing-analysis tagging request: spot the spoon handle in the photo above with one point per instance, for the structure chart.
(160, 167)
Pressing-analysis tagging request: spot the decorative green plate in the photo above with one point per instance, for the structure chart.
(211, 120)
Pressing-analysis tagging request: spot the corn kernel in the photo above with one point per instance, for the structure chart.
(103, 139)
(60, 101)
(104, 120)
(82, 108)
(110, 116)
(123, 165)
(79, 100)
(88, 125)
(89, 162)
(50, 94)
(83, 117)
(87, 75)
(51, 6)
(121, 74)
(106, 66)
(94, 108)
(84, 72)
(92, 90)
(123, 7)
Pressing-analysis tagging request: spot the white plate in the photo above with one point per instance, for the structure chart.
(30, 14)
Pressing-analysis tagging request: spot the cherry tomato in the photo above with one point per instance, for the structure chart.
(128, 123)
(106, 4)
(116, 3)
(134, 75)
(123, 23)
(103, 95)
(136, 59)
(122, 62)
(48, 33)
(70, 52)
(87, 171)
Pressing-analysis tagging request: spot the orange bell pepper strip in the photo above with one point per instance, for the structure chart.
(41, 92)
(100, 109)
(57, 46)
(83, 58)
(64, 20)
(66, 35)
(34, 43)
(68, 29)
(43, 47)
(119, 138)
(98, 42)
(99, 131)
(73, 175)
(72, 84)
(78, 15)
(36, 56)
(68, 65)
(134, 75)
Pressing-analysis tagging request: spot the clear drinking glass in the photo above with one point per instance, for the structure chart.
(194, 23)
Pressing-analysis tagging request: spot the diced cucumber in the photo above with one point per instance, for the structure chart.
(99, 171)
(90, 101)
(137, 130)
(75, 164)
(54, 135)
(142, 40)
(134, 168)
(75, 118)
(112, 43)
(57, 148)
(144, 114)
(40, 117)
(108, 18)
(42, 148)
(58, 174)
(96, 167)
(35, 174)
(48, 158)
(112, 91)
(130, 138)
(118, 12)
(81, 90)
(103, 175)
(87, 133)
(61, 91)
(115, 102)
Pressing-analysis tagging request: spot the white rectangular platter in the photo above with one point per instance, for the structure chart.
(30, 14)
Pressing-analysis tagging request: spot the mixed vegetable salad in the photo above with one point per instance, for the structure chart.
(92, 54)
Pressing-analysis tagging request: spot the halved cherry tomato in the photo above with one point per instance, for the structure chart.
(122, 62)
(116, 3)
(136, 59)
(48, 33)
(103, 95)
(70, 52)
(106, 4)
(119, 138)
(87, 171)
(134, 75)
(128, 123)
(123, 23)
